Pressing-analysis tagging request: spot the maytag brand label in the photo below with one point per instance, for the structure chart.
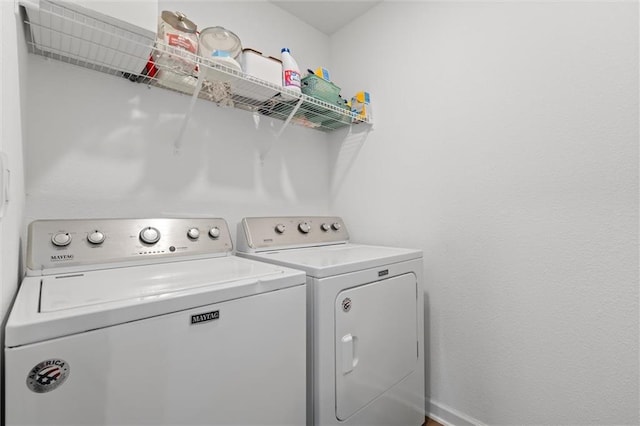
(61, 257)
(47, 375)
(206, 317)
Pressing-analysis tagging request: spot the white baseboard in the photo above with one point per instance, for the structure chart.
(449, 416)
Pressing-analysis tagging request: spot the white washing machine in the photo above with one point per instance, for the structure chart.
(152, 321)
(364, 315)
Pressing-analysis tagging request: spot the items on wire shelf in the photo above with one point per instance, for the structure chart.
(182, 58)
(247, 79)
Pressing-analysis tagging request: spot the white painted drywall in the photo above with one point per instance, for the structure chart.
(12, 84)
(100, 146)
(506, 148)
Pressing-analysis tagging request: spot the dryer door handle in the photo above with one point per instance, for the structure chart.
(349, 355)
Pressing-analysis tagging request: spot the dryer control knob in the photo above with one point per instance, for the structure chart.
(61, 239)
(304, 227)
(325, 227)
(96, 237)
(335, 226)
(193, 233)
(150, 235)
(280, 228)
(214, 233)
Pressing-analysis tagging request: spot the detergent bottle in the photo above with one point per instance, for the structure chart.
(290, 71)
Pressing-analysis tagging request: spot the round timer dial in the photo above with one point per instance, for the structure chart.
(193, 233)
(61, 239)
(96, 237)
(214, 233)
(304, 227)
(150, 235)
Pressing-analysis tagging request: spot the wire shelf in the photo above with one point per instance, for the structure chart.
(61, 33)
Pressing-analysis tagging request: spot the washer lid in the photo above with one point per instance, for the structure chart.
(326, 261)
(97, 288)
(54, 306)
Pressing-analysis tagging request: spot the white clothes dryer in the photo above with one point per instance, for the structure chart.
(365, 337)
(152, 321)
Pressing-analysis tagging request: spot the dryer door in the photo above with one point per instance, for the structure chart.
(375, 340)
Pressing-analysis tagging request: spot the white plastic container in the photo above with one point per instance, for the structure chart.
(258, 65)
(266, 68)
(290, 71)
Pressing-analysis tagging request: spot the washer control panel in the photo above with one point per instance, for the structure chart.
(255, 233)
(55, 244)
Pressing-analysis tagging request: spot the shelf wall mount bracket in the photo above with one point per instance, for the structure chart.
(177, 145)
(288, 120)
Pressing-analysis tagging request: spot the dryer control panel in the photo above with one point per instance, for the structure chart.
(90, 243)
(271, 233)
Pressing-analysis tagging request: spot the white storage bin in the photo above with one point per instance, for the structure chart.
(266, 68)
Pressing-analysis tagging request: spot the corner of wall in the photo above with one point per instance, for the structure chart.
(449, 416)
(12, 87)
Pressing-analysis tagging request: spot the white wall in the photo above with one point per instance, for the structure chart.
(101, 146)
(506, 147)
(12, 84)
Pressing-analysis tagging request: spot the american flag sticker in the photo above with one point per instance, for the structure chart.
(47, 375)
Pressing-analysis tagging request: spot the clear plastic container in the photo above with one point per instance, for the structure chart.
(219, 39)
(177, 43)
(219, 47)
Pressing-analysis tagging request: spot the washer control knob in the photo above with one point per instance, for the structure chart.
(325, 227)
(61, 239)
(150, 235)
(304, 227)
(214, 232)
(96, 237)
(280, 228)
(193, 233)
(335, 226)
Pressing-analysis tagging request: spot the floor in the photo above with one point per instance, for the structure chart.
(431, 422)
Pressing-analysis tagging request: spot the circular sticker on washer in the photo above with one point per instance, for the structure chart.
(48, 375)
